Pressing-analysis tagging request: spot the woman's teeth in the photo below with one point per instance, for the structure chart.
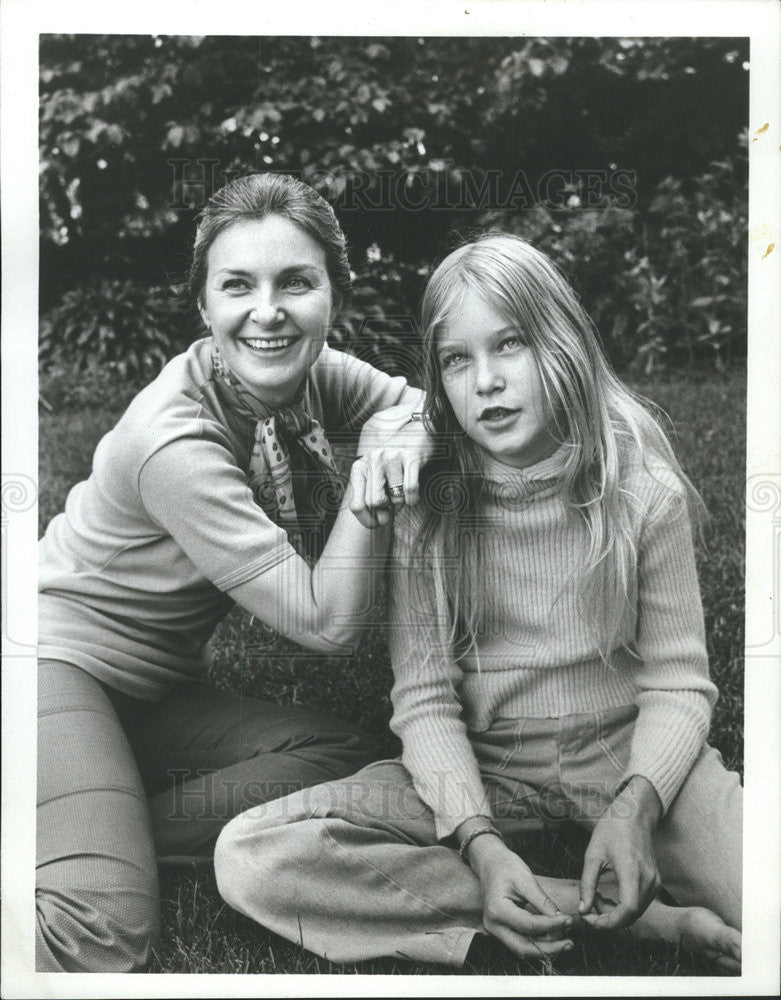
(269, 345)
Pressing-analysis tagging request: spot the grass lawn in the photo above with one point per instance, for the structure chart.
(201, 934)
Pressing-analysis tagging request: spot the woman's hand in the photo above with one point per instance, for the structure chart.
(386, 476)
(621, 841)
(516, 911)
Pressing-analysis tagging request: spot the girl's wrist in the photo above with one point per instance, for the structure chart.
(482, 849)
(646, 804)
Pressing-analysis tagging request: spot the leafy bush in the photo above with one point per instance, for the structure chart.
(113, 326)
(411, 139)
(664, 286)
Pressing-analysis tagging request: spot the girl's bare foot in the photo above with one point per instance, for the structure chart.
(705, 933)
(694, 928)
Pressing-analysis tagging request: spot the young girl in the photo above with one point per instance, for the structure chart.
(549, 659)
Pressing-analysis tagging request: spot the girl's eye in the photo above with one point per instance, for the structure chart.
(452, 360)
(510, 342)
(233, 284)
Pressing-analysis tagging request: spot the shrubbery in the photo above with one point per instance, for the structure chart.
(107, 338)
(664, 287)
(413, 140)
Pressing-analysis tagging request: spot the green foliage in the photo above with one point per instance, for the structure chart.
(412, 139)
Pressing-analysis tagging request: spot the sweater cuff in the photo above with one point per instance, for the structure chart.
(448, 781)
(667, 741)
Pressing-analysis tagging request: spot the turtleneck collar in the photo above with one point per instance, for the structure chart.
(544, 475)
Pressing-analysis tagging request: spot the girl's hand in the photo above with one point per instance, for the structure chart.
(621, 841)
(516, 911)
(386, 475)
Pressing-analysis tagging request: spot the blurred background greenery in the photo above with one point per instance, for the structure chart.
(625, 159)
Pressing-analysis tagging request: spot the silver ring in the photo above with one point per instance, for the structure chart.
(396, 492)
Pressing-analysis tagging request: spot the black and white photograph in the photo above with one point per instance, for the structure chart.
(391, 502)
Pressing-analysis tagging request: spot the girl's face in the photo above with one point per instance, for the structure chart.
(268, 301)
(493, 384)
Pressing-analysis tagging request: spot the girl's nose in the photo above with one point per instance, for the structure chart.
(487, 377)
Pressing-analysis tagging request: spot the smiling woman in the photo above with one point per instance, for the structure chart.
(217, 485)
(268, 302)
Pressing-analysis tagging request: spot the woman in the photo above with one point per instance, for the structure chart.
(217, 485)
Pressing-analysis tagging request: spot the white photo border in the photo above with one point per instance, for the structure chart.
(20, 25)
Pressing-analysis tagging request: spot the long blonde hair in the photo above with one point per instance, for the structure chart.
(604, 423)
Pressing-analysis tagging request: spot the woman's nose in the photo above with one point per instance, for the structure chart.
(266, 312)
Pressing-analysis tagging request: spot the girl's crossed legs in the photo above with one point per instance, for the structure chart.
(352, 869)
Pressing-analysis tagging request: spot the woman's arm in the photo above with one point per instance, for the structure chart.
(194, 490)
(323, 608)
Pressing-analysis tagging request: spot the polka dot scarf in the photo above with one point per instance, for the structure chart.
(270, 474)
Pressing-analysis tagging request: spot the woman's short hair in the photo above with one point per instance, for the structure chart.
(257, 195)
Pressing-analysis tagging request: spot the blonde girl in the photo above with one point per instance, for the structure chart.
(549, 659)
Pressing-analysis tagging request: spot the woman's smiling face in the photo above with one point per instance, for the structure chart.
(268, 302)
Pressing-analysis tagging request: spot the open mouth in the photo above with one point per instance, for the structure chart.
(497, 415)
(269, 345)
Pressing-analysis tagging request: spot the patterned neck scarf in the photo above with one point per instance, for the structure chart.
(277, 432)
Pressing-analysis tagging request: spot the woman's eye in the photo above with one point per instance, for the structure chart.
(510, 342)
(233, 284)
(296, 284)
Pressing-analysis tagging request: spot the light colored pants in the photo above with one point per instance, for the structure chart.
(352, 869)
(124, 783)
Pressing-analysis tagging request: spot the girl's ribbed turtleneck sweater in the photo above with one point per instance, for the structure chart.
(537, 656)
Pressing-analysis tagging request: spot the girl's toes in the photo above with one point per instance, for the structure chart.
(729, 947)
(727, 963)
(705, 932)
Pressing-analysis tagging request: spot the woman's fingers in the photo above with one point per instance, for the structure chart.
(394, 480)
(376, 480)
(603, 904)
(389, 478)
(362, 489)
(411, 481)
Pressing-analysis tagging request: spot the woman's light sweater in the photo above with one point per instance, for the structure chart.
(539, 657)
